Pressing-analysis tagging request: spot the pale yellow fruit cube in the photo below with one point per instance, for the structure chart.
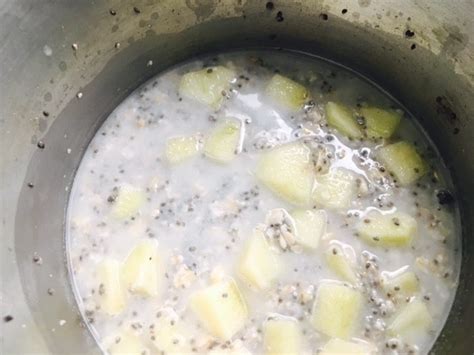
(412, 319)
(179, 149)
(287, 92)
(127, 343)
(207, 85)
(405, 284)
(220, 308)
(111, 294)
(403, 161)
(335, 190)
(170, 336)
(336, 310)
(387, 230)
(128, 202)
(343, 119)
(282, 336)
(223, 143)
(380, 123)
(259, 265)
(232, 350)
(288, 171)
(142, 271)
(343, 347)
(340, 263)
(310, 226)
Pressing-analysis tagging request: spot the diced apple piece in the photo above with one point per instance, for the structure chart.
(206, 85)
(405, 284)
(127, 343)
(223, 142)
(403, 161)
(338, 261)
(282, 336)
(141, 271)
(387, 230)
(342, 347)
(336, 309)
(259, 265)
(380, 123)
(287, 92)
(335, 190)
(413, 318)
(128, 202)
(288, 171)
(221, 308)
(111, 294)
(170, 336)
(310, 226)
(179, 149)
(342, 118)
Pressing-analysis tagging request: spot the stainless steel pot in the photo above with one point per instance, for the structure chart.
(65, 64)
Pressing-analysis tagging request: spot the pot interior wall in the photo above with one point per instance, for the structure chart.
(425, 83)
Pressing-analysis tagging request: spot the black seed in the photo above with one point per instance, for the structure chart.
(323, 17)
(269, 6)
(413, 46)
(136, 10)
(344, 11)
(113, 12)
(409, 33)
(45, 113)
(445, 197)
(8, 318)
(279, 16)
(30, 185)
(40, 145)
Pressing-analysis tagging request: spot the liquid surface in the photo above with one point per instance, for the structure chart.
(195, 215)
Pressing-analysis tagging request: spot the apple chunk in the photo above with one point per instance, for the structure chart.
(181, 148)
(288, 171)
(222, 144)
(335, 190)
(287, 92)
(111, 294)
(403, 161)
(258, 264)
(336, 309)
(170, 335)
(405, 284)
(380, 123)
(221, 308)
(412, 319)
(310, 226)
(128, 201)
(387, 230)
(282, 336)
(206, 85)
(343, 119)
(142, 270)
(339, 262)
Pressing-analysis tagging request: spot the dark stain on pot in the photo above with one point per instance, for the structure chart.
(114, 28)
(364, 3)
(455, 42)
(48, 96)
(445, 197)
(154, 16)
(201, 8)
(279, 16)
(409, 33)
(444, 108)
(62, 66)
(142, 23)
(272, 36)
(42, 124)
(323, 16)
(269, 6)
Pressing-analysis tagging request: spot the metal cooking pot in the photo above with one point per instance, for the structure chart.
(66, 64)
